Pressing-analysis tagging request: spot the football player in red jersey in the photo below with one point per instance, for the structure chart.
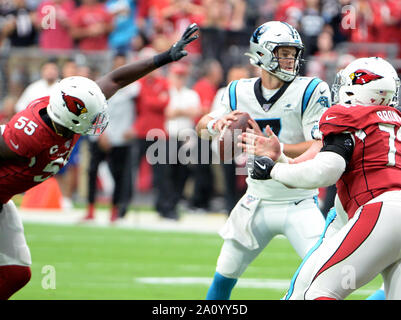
(362, 153)
(38, 141)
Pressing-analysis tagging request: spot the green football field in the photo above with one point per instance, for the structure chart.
(88, 262)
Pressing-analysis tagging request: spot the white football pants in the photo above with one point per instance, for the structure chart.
(369, 244)
(254, 222)
(13, 247)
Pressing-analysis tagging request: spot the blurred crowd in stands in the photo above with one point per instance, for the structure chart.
(42, 41)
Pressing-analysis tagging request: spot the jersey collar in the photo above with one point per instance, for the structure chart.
(266, 105)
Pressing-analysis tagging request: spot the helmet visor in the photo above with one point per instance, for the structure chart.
(287, 58)
(99, 124)
(335, 88)
(396, 99)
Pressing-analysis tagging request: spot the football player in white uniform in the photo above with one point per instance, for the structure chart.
(292, 106)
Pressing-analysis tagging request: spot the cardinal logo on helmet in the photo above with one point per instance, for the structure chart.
(362, 76)
(75, 105)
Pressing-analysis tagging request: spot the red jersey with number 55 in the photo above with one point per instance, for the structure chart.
(29, 136)
(375, 166)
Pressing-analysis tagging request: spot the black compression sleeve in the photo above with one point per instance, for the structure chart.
(342, 144)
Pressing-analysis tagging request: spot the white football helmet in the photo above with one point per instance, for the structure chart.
(366, 81)
(78, 104)
(264, 42)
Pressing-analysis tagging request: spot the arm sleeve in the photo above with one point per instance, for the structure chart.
(342, 144)
(322, 171)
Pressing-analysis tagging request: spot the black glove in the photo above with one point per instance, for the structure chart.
(260, 167)
(176, 52)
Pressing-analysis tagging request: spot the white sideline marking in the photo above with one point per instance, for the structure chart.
(202, 223)
(242, 283)
(275, 284)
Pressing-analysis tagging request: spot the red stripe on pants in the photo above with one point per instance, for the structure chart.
(356, 235)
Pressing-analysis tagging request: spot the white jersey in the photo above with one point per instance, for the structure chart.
(294, 118)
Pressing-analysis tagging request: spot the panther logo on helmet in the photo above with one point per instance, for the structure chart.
(258, 33)
(362, 76)
(75, 105)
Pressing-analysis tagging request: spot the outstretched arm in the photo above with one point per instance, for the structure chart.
(120, 77)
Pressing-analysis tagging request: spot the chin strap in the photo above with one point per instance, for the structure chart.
(55, 129)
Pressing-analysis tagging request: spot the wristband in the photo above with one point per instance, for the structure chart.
(162, 59)
(282, 157)
(210, 127)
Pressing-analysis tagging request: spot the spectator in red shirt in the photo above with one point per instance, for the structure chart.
(91, 24)
(149, 132)
(150, 10)
(151, 102)
(387, 20)
(54, 18)
(364, 30)
(175, 17)
(375, 21)
(206, 87)
(289, 11)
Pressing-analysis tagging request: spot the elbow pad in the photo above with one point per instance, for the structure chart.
(342, 144)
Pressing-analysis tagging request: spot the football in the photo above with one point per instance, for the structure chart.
(228, 137)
